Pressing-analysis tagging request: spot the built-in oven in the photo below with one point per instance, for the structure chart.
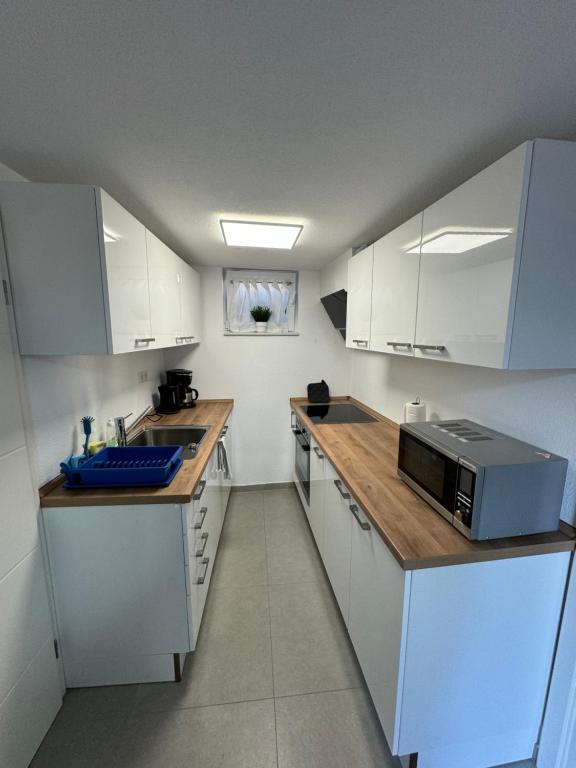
(301, 456)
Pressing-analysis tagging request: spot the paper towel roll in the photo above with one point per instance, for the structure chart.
(415, 411)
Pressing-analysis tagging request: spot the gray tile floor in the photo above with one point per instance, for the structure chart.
(274, 682)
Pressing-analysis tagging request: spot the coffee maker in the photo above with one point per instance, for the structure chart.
(182, 379)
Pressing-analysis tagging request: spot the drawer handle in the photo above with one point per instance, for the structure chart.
(200, 551)
(198, 496)
(361, 523)
(360, 341)
(406, 344)
(201, 579)
(431, 347)
(338, 484)
(200, 523)
(317, 452)
(145, 341)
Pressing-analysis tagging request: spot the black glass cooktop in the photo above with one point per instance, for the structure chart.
(337, 413)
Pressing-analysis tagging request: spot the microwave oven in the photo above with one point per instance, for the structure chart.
(488, 485)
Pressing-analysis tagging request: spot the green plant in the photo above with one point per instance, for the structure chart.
(261, 314)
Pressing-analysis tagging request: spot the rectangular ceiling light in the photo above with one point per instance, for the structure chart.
(457, 242)
(255, 234)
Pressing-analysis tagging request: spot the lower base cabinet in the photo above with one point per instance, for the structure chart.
(456, 658)
(130, 583)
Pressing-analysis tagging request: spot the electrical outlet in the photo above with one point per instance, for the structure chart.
(142, 377)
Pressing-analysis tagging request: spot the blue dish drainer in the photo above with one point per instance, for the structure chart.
(127, 467)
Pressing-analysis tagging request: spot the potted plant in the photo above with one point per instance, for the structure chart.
(261, 316)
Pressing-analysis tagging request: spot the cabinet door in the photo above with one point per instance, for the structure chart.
(359, 299)
(337, 538)
(191, 305)
(465, 280)
(378, 590)
(165, 283)
(317, 494)
(127, 277)
(395, 289)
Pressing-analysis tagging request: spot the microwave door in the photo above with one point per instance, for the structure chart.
(429, 472)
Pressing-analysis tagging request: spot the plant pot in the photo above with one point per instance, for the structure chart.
(262, 327)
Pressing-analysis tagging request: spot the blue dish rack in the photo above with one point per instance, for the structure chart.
(127, 468)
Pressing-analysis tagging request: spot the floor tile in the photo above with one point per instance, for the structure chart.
(299, 606)
(227, 736)
(330, 730)
(223, 669)
(241, 560)
(293, 559)
(231, 612)
(245, 509)
(75, 743)
(103, 701)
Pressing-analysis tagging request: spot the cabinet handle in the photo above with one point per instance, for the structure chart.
(361, 523)
(317, 452)
(431, 347)
(224, 431)
(145, 341)
(198, 496)
(179, 339)
(200, 523)
(338, 484)
(200, 552)
(202, 579)
(360, 341)
(189, 338)
(399, 344)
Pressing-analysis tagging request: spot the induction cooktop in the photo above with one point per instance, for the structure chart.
(337, 413)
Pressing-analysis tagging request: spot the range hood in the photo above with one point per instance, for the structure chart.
(335, 305)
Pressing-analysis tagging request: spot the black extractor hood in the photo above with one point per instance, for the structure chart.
(335, 305)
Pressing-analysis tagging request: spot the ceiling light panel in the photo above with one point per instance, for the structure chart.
(255, 234)
(458, 242)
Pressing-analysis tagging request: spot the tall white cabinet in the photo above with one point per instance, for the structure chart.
(87, 278)
(483, 276)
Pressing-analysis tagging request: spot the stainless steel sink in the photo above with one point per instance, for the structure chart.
(190, 437)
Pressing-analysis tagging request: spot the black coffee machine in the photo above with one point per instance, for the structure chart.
(182, 379)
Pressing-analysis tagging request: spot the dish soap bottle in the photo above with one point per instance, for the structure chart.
(111, 441)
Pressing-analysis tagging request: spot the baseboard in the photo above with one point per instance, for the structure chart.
(264, 487)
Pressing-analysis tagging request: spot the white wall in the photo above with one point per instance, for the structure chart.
(63, 389)
(261, 374)
(536, 406)
(30, 685)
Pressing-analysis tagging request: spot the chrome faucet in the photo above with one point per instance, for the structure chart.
(120, 427)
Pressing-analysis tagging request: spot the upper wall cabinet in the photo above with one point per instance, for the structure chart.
(359, 299)
(395, 289)
(497, 270)
(469, 242)
(87, 278)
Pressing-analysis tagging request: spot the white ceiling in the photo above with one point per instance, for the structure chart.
(346, 115)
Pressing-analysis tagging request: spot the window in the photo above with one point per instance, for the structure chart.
(248, 288)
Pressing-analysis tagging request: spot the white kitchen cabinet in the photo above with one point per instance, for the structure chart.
(191, 306)
(164, 286)
(358, 308)
(130, 583)
(395, 289)
(337, 537)
(85, 276)
(316, 509)
(379, 590)
(456, 658)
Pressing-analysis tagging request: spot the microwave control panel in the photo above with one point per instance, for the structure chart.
(465, 496)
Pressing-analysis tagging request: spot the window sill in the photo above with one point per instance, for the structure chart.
(275, 334)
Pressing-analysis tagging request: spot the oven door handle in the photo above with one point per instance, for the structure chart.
(302, 442)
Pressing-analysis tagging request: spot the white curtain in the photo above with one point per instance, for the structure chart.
(244, 294)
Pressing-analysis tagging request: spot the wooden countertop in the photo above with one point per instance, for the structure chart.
(207, 412)
(366, 457)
